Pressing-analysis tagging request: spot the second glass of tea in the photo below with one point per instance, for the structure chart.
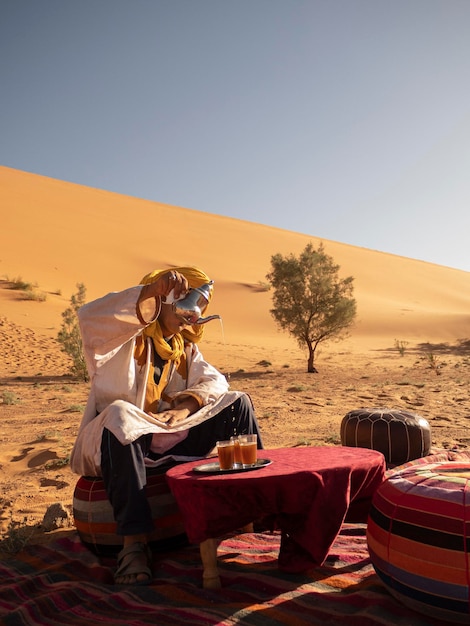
(237, 455)
(248, 450)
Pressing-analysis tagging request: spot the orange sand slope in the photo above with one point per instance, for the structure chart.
(57, 234)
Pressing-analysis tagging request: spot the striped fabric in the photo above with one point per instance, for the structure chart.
(418, 536)
(94, 519)
(400, 435)
(64, 583)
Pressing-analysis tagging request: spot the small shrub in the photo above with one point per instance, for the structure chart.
(30, 290)
(17, 536)
(52, 435)
(263, 286)
(433, 362)
(76, 408)
(296, 388)
(333, 439)
(8, 397)
(401, 346)
(21, 285)
(69, 335)
(303, 442)
(58, 463)
(36, 296)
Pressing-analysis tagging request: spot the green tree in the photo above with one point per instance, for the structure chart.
(69, 335)
(310, 301)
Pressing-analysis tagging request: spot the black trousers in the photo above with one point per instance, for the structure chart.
(124, 470)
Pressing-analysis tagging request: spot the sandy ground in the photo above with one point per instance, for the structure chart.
(42, 405)
(425, 306)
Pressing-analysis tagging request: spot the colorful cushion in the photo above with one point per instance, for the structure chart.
(418, 535)
(438, 455)
(400, 436)
(94, 519)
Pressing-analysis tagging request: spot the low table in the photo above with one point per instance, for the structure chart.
(306, 492)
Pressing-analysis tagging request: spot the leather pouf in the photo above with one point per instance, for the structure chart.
(400, 436)
(94, 519)
(418, 535)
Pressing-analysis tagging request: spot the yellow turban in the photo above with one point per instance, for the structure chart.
(193, 275)
(195, 278)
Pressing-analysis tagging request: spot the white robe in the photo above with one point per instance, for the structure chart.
(109, 327)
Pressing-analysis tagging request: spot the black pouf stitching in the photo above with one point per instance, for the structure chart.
(401, 436)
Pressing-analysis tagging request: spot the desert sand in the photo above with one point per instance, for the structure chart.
(56, 234)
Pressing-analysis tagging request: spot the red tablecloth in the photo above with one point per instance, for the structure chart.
(306, 491)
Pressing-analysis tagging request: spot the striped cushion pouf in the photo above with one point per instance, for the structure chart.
(94, 519)
(418, 535)
(400, 435)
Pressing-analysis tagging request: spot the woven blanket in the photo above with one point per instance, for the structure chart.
(63, 583)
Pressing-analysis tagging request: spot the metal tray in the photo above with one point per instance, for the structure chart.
(214, 468)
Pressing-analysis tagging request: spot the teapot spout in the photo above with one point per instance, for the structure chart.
(204, 320)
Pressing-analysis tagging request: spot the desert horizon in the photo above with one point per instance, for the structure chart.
(58, 234)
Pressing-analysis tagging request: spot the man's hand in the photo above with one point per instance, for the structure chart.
(167, 282)
(184, 407)
(172, 416)
(148, 303)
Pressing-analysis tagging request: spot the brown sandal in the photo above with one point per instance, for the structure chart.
(134, 560)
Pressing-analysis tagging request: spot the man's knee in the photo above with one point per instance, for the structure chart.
(244, 403)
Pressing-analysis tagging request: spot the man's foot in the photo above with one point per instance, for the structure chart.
(134, 565)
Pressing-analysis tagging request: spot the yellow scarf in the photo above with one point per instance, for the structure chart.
(170, 353)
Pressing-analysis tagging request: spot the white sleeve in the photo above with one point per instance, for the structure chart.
(107, 324)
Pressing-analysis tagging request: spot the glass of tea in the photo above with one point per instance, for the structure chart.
(237, 455)
(225, 451)
(248, 450)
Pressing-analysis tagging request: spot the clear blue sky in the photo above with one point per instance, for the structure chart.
(346, 120)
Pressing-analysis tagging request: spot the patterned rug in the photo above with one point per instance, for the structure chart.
(63, 583)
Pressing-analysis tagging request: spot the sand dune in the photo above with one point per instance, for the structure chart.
(58, 233)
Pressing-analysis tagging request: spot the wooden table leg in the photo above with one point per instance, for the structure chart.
(210, 575)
